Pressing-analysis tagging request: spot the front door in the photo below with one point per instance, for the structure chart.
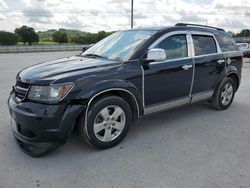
(168, 83)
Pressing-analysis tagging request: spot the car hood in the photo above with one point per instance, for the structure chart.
(56, 69)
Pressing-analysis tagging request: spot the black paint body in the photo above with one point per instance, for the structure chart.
(34, 122)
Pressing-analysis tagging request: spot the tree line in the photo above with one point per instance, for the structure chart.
(27, 35)
(88, 38)
(23, 34)
(242, 33)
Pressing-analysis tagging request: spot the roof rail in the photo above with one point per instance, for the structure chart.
(197, 25)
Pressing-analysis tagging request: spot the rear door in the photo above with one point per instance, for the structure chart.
(209, 64)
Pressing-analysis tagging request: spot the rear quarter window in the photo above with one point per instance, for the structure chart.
(226, 42)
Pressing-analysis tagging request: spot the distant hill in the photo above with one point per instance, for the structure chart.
(47, 35)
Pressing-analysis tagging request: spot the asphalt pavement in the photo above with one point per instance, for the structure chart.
(190, 147)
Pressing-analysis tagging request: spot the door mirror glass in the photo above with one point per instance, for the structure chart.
(156, 54)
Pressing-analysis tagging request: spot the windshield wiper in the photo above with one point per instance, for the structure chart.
(94, 56)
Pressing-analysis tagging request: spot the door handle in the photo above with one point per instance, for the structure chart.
(186, 67)
(221, 61)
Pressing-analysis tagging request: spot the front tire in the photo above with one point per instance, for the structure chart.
(108, 121)
(224, 95)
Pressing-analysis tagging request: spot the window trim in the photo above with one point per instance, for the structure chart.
(190, 43)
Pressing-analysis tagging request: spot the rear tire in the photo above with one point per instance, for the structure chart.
(108, 122)
(224, 95)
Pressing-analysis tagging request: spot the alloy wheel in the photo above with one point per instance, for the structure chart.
(109, 123)
(227, 94)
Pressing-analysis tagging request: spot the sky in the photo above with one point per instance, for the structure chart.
(110, 15)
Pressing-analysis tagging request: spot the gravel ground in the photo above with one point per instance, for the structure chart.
(190, 147)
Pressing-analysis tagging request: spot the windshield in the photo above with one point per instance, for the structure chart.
(120, 45)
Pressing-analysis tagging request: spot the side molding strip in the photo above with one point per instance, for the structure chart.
(202, 96)
(166, 106)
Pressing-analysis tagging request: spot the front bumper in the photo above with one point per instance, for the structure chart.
(35, 123)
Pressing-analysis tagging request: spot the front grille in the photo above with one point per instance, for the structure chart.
(21, 90)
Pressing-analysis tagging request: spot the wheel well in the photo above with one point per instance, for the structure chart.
(126, 96)
(235, 78)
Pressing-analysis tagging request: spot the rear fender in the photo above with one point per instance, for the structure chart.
(229, 70)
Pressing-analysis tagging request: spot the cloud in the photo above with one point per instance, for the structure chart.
(2, 17)
(43, 16)
(3, 6)
(247, 13)
(140, 16)
(192, 18)
(93, 16)
(228, 24)
(232, 4)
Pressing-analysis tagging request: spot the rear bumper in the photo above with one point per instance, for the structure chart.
(40, 124)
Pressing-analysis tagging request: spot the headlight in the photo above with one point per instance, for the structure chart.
(52, 93)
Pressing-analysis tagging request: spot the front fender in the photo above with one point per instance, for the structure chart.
(112, 85)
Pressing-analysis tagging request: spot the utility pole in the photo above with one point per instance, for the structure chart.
(132, 13)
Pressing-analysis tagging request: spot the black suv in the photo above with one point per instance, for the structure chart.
(120, 79)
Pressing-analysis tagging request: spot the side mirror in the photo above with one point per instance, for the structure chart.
(156, 54)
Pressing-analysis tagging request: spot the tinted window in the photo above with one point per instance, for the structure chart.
(175, 46)
(226, 42)
(204, 45)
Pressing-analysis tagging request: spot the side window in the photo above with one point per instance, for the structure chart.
(226, 42)
(175, 46)
(204, 44)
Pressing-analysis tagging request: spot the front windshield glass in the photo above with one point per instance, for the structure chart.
(120, 45)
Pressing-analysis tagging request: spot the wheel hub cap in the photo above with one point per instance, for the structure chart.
(109, 123)
(227, 94)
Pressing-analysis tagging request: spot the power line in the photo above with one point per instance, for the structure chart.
(166, 12)
(43, 11)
